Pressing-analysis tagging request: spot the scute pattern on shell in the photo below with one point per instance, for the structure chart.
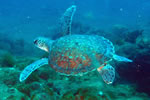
(79, 54)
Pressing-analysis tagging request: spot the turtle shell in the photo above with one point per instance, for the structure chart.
(79, 54)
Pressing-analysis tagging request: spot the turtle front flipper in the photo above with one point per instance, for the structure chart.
(43, 43)
(120, 58)
(32, 67)
(107, 72)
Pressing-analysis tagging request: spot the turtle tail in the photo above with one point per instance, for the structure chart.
(120, 58)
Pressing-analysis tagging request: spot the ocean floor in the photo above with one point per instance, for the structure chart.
(46, 84)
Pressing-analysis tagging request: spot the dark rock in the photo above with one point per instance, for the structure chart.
(57, 90)
(10, 81)
(137, 72)
(42, 96)
(33, 78)
(118, 32)
(143, 42)
(44, 75)
(50, 84)
(79, 28)
(35, 86)
(132, 36)
(24, 89)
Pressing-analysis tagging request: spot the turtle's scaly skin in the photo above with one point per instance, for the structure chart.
(79, 54)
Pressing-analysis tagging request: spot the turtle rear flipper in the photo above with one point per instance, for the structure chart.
(32, 67)
(108, 73)
(120, 58)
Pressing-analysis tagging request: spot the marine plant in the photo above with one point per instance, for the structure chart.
(8, 60)
(24, 89)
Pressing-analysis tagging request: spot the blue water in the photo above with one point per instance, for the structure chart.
(126, 23)
(21, 14)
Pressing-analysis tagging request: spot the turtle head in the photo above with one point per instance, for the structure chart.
(43, 43)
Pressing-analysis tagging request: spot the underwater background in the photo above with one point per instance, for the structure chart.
(126, 23)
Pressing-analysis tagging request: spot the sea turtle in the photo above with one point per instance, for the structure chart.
(76, 54)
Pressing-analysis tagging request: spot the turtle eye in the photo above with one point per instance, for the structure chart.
(35, 41)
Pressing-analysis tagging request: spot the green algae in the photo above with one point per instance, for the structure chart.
(8, 60)
(71, 88)
(48, 90)
(25, 89)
